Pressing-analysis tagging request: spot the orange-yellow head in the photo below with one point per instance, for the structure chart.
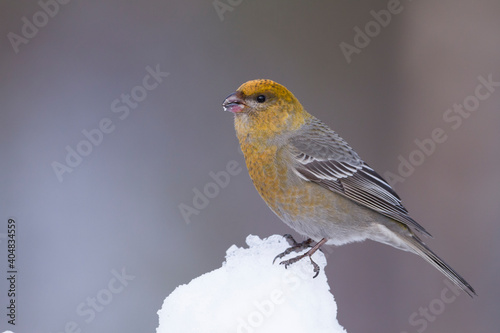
(264, 109)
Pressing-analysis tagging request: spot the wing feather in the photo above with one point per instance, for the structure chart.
(326, 159)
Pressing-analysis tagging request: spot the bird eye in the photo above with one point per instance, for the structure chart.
(261, 99)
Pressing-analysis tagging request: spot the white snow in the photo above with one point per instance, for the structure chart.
(249, 294)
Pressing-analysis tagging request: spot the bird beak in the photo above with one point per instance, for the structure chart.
(233, 103)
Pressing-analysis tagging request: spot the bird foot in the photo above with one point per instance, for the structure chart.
(294, 260)
(296, 247)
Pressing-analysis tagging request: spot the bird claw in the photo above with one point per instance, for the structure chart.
(315, 268)
(288, 262)
(295, 247)
(289, 238)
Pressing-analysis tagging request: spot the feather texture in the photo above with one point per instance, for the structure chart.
(324, 158)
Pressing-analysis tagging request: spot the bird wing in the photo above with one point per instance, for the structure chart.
(324, 158)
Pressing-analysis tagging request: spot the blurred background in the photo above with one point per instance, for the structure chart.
(103, 152)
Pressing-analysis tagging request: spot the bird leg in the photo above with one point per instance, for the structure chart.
(298, 247)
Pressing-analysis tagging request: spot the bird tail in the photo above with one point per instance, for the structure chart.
(418, 247)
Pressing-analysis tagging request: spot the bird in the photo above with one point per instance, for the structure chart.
(316, 183)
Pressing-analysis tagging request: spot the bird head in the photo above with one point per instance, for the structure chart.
(264, 108)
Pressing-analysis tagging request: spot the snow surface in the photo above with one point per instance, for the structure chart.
(249, 294)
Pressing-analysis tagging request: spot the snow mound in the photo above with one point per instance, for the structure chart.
(250, 294)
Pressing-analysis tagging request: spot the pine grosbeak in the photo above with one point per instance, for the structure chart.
(315, 182)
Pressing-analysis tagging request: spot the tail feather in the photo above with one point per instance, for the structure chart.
(423, 251)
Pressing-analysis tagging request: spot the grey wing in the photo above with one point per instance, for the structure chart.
(324, 158)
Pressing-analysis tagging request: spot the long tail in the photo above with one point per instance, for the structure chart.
(417, 246)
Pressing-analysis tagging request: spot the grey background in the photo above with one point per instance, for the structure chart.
(120, 207)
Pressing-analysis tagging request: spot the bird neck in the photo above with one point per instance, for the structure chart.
(271, 128)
